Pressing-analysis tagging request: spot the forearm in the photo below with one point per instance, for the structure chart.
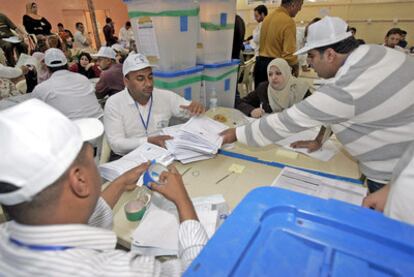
(320, 135)
(122, 146)
(186, 210)
(113, 192)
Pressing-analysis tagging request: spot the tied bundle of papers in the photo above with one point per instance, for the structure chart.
(196, 140)
(145, 152)
(157, 233)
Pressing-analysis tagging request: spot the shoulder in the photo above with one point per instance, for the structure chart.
(117, 99)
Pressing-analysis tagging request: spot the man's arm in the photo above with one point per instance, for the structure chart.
(289, 46)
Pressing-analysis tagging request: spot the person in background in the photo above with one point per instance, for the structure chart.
(70, 93)
(109, 32)
(278, 39)
(85, 66)
(403, 43)
(81, 40)
(8, 77)
(353, 30)
(281, 91)
(367, 101)
(111, 80)
(65, 35)
(6, 27)
(126, 35)
(238, 37)
(34, 23)
(392, 38)
(136, 114)
(260, 12)
(61, 220)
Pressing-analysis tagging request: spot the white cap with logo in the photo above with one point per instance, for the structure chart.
(326, 31)
(105, 52)
(55, 57)
(38, 144)
(135, 62)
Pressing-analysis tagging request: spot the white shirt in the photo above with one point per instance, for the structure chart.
(70, 93)
(92, 251)
(80, 40)
(8, 72)
(256, 38)
(400, 201)
(123, 126)
(125, 36)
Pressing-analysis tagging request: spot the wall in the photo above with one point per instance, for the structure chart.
(68, 11)
(358, 13)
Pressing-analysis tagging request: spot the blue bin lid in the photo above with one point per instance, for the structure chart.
(276, 232)
(221, 64)
(177, 73)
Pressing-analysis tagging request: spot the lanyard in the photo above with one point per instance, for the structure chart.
(148, 117)
(39, 247)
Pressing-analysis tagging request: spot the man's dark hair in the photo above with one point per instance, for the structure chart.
(261, 9)
(393, 31)
(60, 25)
(352, 29)
(345, 46)
(78, 24)
(25, 212)
(54, 69)
(403, 32)
(288, 2)
(108, 20)
(128, 24)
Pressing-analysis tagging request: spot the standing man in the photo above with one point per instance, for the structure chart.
(278, 39)
(238, 37)
(260, 12)
(81, 41)
(6, 25)
(134, 115)
(109, 31)
(367, 101)
(126, 35)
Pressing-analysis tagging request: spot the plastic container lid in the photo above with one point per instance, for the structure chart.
(221, 64)
(178, 73)
(276, 232)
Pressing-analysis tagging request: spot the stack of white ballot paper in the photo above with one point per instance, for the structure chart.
(320, 186)
(145, 152)
(157, 233)
(196, 140)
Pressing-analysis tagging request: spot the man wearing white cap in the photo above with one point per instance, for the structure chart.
(70, 93)
(61, 221)
(368, 101)
(137, 113)
(111, 80)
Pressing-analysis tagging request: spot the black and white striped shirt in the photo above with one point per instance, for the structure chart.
(91, 250)
(369, 104)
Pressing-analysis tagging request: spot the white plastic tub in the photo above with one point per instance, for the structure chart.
(166, 31)
(217, 19)
(221, 77)
(186, 83)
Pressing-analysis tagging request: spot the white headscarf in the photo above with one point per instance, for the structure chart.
(291, 92)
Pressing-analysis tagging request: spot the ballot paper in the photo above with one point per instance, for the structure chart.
(145, 152)
(319, 186)
(25, 59)
(325, 153)
(157, 233)
(196, 140)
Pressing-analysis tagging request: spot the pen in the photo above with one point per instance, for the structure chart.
(224, 177)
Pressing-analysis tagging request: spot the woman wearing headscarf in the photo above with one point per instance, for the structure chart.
(281, 91)
(34, 23)
(86, 67)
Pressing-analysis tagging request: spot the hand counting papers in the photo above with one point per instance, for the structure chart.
(198, 139)
(145, 152)
(157, 233)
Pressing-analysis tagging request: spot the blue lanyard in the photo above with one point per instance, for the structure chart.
(39, 247)
(148, 117)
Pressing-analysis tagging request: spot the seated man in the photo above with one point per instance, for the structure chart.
(133, 115)
(6, 25)
(70, 93)
(61, 221)
(111, 80)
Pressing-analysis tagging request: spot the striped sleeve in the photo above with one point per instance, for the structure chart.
(329, 105)
(192, 237)
(102, 215)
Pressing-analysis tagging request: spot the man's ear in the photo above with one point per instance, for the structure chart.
(330, 55)
(78, 181)
(126, 81)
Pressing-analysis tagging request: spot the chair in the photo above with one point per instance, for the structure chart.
(246, 75)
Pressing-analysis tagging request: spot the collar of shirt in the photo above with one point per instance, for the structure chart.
(131, 100)
(60, 73)
(282, 10)
(69, 235)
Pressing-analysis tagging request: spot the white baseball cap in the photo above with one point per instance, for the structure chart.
(55, 57)
(105, 52)
(326, 31)
(38, 144)
(135, 62)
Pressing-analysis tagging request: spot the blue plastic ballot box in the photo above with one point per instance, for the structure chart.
(276, 232)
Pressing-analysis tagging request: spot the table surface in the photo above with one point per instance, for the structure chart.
(201, 178)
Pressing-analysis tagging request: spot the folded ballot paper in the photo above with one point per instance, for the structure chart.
(145, 152)
(157, 233)
(198, 139)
